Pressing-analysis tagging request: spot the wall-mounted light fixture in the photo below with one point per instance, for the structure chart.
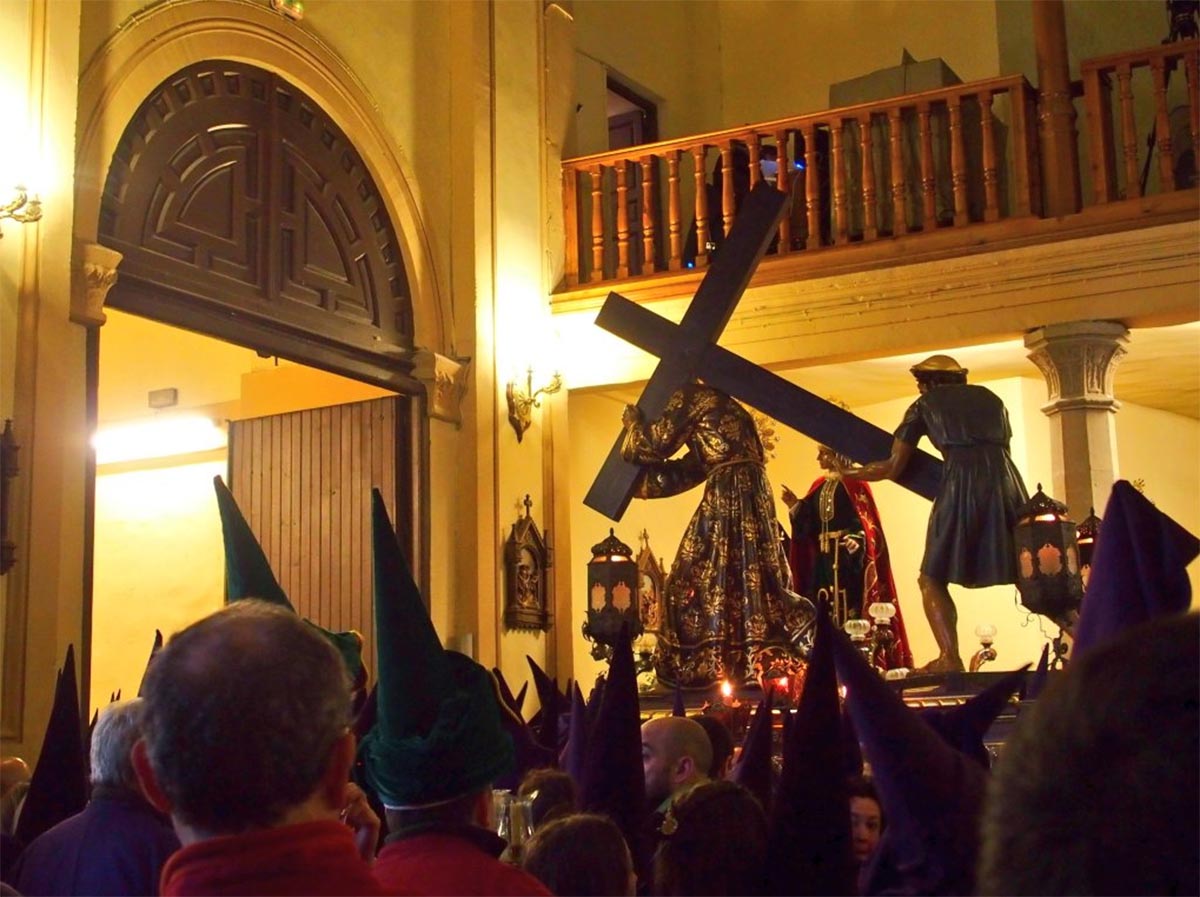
(521, 402)
(159, 437)
(21, 208)
(293, 9)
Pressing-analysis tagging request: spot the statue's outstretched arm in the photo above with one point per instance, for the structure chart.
(890, 468)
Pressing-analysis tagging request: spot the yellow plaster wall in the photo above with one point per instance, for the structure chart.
(47, 366)
(778, 59)
(159, 564)
(666, 51)
(521, 322)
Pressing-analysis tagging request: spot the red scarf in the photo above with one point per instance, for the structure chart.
(307, 858)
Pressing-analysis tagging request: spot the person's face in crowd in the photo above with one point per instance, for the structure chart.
(865, 826)
(657, 764)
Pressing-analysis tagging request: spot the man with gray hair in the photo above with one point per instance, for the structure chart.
(118, 843)
(246, 743)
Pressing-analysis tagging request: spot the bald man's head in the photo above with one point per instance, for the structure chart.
(13, 771)
(676, 754)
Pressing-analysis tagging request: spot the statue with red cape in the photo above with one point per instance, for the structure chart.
(837, 550)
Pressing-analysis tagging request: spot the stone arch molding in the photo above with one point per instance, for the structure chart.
(154, 44)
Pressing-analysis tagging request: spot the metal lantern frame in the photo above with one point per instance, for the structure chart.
(1048, 576)
(612, 595)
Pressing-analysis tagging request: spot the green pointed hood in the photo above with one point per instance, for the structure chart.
(249, 575)
(438, 732)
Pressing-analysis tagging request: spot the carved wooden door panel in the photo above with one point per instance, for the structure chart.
(243, 211)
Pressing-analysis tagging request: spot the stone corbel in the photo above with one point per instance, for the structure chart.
(445, 382)
(94, 275)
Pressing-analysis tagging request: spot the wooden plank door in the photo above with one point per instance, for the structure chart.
(303, 480)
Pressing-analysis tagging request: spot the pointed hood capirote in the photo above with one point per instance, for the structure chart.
(678, 708)
(528, 754)
(931, 794)
(574, 757)
(753, 768)
(552, 701)
(810, 842)
(438, 732)
(1037, 681)
(1139, 570)
(59, 785)
(613, 780)
(249, 575)
(154, 649)
(964, 726)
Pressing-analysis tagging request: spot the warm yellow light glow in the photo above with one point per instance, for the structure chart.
(159, 437)
(726, 689)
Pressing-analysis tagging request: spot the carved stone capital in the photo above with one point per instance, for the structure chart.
(1078, 361)
(94, 275)
(445, 382)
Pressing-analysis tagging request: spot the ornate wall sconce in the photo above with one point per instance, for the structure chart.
(521, 402)
(21, 208)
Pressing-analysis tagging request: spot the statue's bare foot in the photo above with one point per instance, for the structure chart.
(941, 664)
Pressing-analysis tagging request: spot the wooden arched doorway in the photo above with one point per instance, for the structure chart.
(243, 212)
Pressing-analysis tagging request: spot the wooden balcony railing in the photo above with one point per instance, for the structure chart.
(939, 159)
(1115, 169)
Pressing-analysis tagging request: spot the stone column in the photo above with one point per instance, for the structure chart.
(1078, 361)
(1056, 112)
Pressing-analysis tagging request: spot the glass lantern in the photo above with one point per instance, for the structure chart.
(612, 582)
(1086, 535)
(1048, 575)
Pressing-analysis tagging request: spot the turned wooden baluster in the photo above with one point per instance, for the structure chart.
(674, 236)
(841, 231)
(701, 206)
(899, 184)
(571, 225)
(812, 187)
(648, 231)
(928, 197)
(783, 183)
(1191, 64)
(1162, 127)
(1097, 101)
(622, 168)
(597, 272)
(752, 147)
(866, 146)
(958, 162)
(1025, 172)
(1129, 138)
(991, 177)
(728, 199)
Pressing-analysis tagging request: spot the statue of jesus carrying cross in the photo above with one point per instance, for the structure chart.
(687, 352)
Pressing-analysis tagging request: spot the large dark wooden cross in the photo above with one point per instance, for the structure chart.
(688, 351)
